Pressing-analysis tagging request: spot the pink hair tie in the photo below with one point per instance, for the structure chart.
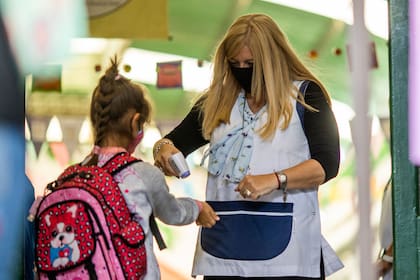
(117, 77)
(96, 150)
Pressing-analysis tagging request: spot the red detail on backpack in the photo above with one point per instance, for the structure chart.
(84, 229)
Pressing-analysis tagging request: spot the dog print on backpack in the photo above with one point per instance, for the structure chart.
(84, 229)
(59, 224)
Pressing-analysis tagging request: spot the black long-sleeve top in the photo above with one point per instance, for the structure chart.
(320, 129)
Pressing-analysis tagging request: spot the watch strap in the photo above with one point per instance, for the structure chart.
(282, 183)
(387, 258)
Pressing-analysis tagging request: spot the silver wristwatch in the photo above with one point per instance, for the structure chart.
(282, 179)
(385, 257)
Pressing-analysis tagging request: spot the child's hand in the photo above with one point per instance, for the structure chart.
(207, 217)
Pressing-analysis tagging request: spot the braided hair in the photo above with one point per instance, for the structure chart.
(114, 101)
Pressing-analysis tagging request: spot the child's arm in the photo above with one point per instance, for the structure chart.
(168, 208)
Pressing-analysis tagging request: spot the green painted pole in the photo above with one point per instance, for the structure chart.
(405, 190)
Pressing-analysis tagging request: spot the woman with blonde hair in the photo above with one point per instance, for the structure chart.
(273, 141)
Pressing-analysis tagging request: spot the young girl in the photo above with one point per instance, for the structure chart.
(118, 111)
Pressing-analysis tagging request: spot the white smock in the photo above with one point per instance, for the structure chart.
(264, 237)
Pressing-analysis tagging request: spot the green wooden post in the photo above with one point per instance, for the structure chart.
(405, 190)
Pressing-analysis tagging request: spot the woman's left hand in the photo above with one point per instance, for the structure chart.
(382, 267)
(254, 186)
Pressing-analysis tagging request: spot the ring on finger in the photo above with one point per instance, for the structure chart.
(247, 192)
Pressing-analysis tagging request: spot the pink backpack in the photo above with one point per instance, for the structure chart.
(84, 229)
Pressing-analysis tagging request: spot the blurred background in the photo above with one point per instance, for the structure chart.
(167, 45)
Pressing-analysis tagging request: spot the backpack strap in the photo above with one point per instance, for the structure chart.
(51, 276)
(156, 232)
(114, 165)
(90, 267)
(299, 107)
(117, 163)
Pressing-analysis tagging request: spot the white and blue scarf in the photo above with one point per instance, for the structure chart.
(231, 155)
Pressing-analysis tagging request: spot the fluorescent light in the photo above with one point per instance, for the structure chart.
(85, 134)
(27, 131)
(143, 68)
(88, 45)
(343, 114)
(151, 135)
(376, 12)
(54, 132)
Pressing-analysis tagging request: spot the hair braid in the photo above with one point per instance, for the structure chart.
(102, 99)
(114, 100)
(101, 115)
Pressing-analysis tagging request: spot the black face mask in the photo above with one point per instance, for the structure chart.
(243, 76)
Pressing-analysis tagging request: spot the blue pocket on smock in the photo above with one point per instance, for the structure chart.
(248, 230)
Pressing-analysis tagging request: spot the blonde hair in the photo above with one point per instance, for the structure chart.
(276, 66)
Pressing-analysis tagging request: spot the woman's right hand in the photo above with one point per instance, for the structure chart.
(162, 151)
